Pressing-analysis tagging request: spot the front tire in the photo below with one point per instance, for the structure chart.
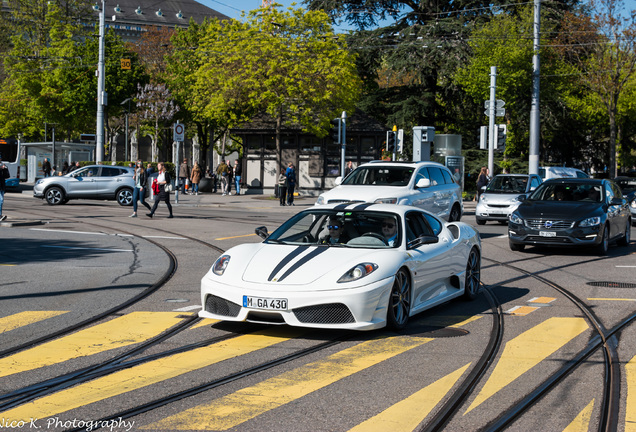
(473, 275)
(480, 221)
(54, 196)
(124, 197)
(603, 247)
(516, 247)
(399, 301)
(624, 241)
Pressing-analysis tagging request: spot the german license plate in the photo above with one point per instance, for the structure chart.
(547, 234)
(265, 303)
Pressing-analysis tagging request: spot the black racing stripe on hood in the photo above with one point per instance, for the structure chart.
(362, 206)
(311, 255)
(293, 254)
(342, 206)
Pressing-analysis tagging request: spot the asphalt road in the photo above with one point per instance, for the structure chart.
(89, 257)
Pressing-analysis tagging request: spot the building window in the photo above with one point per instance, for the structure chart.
(368, 148)
(288, 142)
(269, 142)
(253, 143)
(310, 143)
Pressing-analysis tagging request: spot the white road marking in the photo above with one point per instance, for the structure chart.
(67, 231)
(187, 308)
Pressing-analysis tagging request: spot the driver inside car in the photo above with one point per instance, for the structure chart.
(336, 232)
(389, 230)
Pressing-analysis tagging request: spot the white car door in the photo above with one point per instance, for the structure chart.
(431, 264)
(422, 197)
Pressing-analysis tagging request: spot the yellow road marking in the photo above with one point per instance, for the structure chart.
(521, 310)
(612, 299)
(239, 236)
(149, 373)
(630, 403)
(247, 403)
(543, 300)
(408, 413)
(450, 321)
(582, 421)
(119, 332)
(8, 265)
(204, 323)
(21, 319)
(527, 350)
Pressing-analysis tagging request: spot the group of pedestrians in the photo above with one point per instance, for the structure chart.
(228, 174)
(286, 185)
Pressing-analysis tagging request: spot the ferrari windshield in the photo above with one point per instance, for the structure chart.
(380, 175)
(340, 229)
(507, 185)
(584, 192)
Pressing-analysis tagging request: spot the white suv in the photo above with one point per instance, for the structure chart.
(427, 185)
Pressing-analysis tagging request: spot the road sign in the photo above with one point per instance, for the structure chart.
(87, 137)
(498, 104)
(179, 132)
(499, 112)
(126, 64)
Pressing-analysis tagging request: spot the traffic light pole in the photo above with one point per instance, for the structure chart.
(99, 145)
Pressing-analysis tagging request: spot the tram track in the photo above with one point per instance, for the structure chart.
(603, 339)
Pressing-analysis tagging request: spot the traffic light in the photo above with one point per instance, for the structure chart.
(500, 142)
(336, 130)
(390, 141)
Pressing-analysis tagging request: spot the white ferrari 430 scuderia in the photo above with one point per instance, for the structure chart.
(348, 266)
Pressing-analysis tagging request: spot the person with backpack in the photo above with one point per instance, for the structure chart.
(223, 172)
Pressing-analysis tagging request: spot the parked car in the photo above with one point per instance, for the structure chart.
(571, 212)
(427, 185)
(501, 196)
(89, 182)
(385, 264)
(547, 173)
(628, 187)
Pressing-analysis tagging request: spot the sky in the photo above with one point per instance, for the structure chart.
(233, 8)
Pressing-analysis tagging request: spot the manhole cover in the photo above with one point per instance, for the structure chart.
(612, 284)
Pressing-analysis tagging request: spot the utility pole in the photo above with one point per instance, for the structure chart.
(535, 121)
(492, 134)
(127, 112)
(99, 150)
(343, 142)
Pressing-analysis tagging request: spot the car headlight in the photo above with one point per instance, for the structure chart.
(386, 201)
(516, 219)
(39, 182)
(483, 198)
(220, 265)
(321, 200)
(633, 204)
(593, 221)
(358, 272)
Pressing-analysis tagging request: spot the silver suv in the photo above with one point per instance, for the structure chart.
(427, 185)
(89, 182)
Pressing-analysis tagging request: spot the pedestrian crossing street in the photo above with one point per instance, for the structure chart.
(518, 356)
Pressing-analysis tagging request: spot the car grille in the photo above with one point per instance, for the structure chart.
(555, 240)
(219, 306)
(498, 205)
(333, 313)
(556, 224)
(340, 201)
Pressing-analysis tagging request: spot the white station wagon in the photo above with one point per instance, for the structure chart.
(427, 185)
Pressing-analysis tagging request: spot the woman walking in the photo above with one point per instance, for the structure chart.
(482, 181)
(141, 182)
(163, 179)
(195, 178)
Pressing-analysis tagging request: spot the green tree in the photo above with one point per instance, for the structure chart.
(602, 45)
(289, 65)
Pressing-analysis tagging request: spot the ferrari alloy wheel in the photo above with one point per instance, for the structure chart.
(603, 246)
(399, 301)
(124, 197)
(473, 275)
(54, 196)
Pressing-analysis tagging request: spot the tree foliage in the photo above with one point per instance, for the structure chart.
(288, 64)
